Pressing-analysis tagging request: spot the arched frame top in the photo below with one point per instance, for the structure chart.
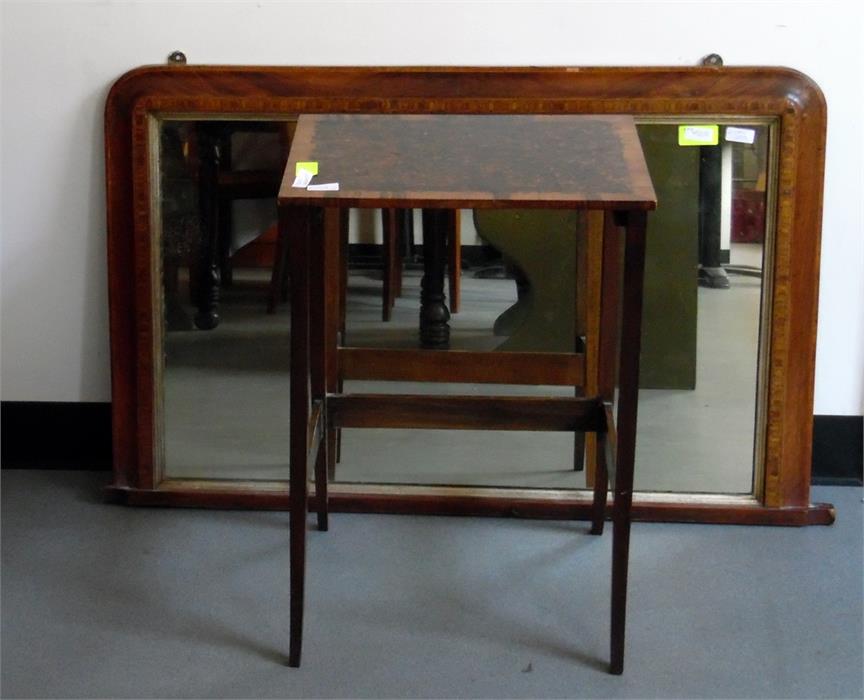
(785, 95)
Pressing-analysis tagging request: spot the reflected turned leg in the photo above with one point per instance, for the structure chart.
(628, 381)
(434, 315)
(390, 228)
(294, 224)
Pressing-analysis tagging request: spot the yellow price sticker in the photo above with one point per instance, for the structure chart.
(698, 135)
(309, 166)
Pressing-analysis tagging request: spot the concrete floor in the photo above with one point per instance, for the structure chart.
(104, 601)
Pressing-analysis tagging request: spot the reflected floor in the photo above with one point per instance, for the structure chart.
(227, 400)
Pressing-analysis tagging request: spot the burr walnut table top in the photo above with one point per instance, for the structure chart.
(471, 161)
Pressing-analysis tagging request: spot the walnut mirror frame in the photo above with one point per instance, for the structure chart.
(788, 99)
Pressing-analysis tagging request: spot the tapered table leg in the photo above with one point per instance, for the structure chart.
(628, 392)
(434, 315)
(294, 224)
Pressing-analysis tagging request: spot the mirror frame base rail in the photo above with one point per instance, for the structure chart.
(784, 424)
(732, 510)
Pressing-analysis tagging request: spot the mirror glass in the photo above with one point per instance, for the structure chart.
(226, 321)
(225, 399)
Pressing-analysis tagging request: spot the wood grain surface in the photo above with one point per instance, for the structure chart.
(471, 161)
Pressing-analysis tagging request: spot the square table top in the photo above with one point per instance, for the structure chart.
(453, 161)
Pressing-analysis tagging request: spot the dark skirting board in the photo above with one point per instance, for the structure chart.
(77, 435)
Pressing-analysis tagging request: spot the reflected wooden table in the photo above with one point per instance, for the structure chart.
(440, 163)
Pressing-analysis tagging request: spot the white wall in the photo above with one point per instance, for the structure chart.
(59, 59)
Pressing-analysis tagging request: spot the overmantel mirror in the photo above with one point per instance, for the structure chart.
(200, 327)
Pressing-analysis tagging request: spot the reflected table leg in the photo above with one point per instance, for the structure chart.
(434, 315)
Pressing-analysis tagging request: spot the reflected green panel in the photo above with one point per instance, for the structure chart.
(669, 315)
(541, 246)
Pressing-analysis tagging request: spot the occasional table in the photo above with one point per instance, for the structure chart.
(440, 163)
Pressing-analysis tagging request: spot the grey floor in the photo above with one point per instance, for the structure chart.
(106, 601)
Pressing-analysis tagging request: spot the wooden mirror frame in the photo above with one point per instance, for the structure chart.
(789, 98)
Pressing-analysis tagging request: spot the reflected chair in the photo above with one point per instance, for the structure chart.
(398, 225)
(220, 185)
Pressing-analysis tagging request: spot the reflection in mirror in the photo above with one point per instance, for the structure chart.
(501, 307)
(521, 271)
(226, 358)
(697, 412)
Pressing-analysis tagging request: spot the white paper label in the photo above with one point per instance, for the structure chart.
(324, 187)
(740, 135)
(303, 178)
